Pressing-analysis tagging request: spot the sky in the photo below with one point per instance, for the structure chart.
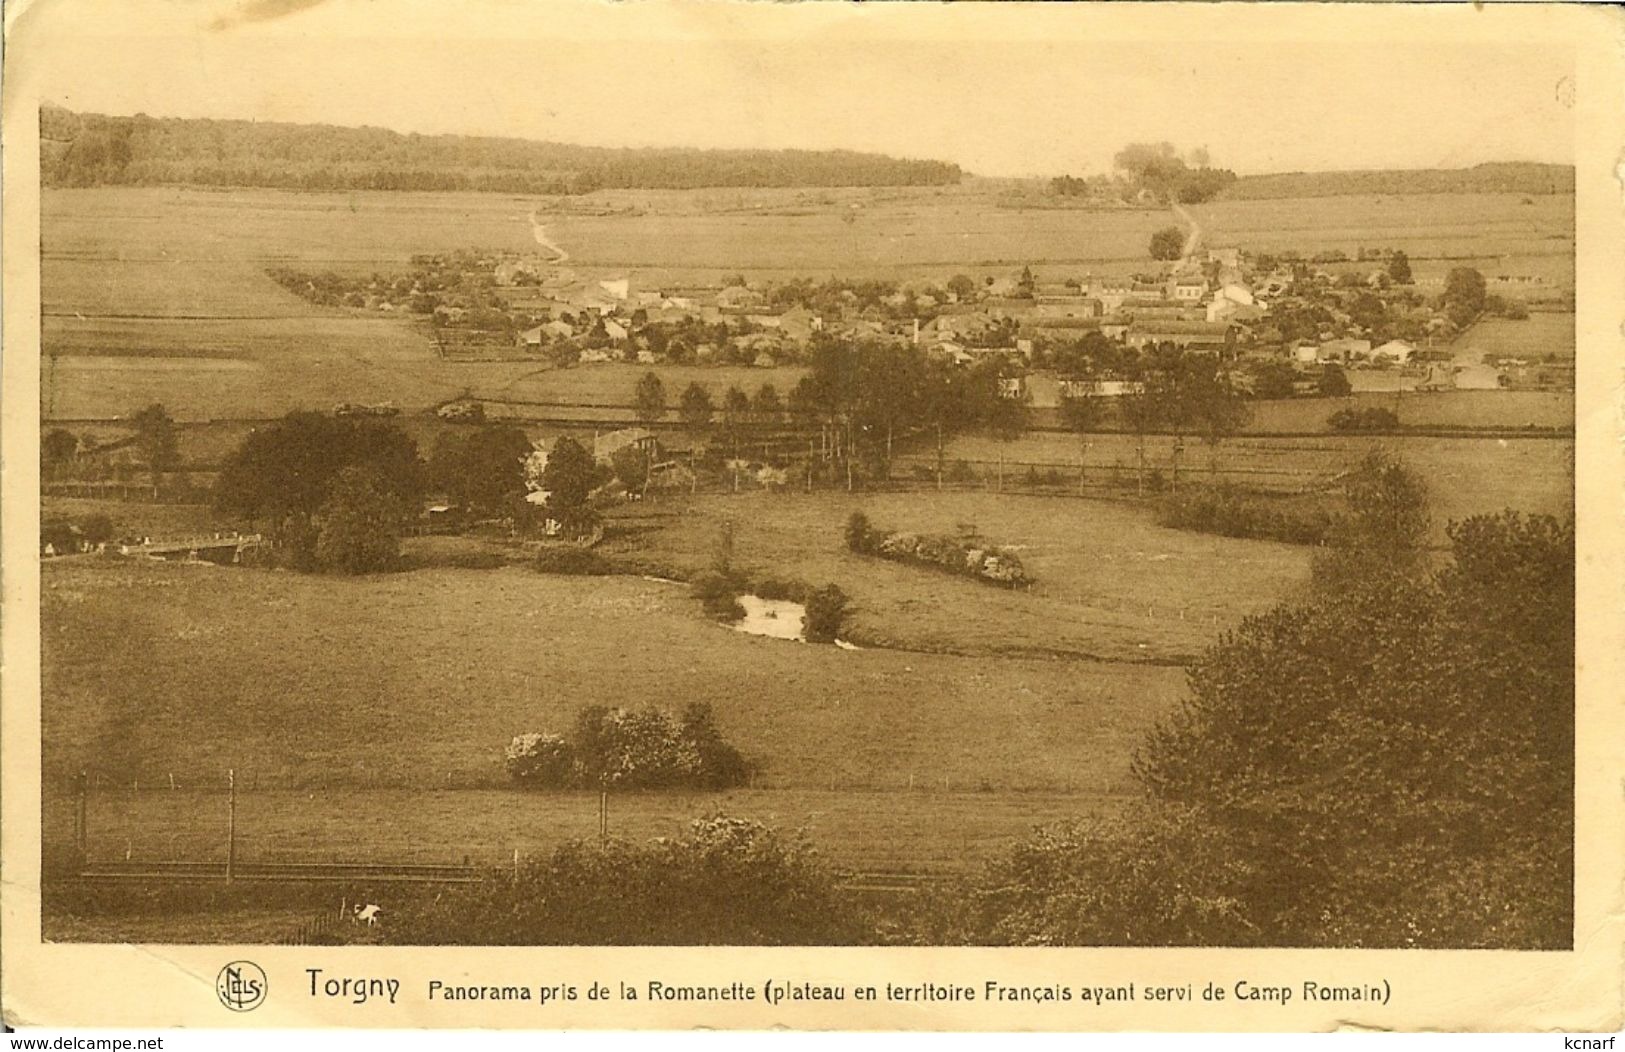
(1003, 90)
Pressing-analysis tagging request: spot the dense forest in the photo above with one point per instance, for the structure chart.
(1496, 178)
(94, 150)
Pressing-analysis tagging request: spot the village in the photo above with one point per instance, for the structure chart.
(1284, 324)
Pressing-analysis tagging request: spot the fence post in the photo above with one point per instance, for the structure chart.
(231, 823)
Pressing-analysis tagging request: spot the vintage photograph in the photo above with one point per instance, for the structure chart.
(812, 489)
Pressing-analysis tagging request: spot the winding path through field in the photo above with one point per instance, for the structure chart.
(539, 232)
(1193, 240)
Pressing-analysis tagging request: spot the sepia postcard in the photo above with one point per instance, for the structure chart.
(703, 513)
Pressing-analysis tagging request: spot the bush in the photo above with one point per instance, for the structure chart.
(859, 534)
(723, 881)
(964, 555)
(629, 749)
(961, 472)
(543, 761)
(1225, 512)
(718, 593)
(570, 559)
(826, 611)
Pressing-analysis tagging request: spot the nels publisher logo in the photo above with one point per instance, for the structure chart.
(241, 986)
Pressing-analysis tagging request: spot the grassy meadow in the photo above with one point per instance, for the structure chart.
(340, 700)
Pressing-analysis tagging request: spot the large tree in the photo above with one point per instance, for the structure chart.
(1167, 243)
(568, 479)
(649, 399)
(1464, 295)
(482, 469)
(358, 526)
(156, 439)
(280, 473)
(57, 448)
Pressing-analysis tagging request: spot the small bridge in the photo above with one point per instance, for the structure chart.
(216, 547)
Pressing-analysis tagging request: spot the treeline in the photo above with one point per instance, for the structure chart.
(1493, 178)
(95, 150)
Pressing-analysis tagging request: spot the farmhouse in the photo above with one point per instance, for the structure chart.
(1189, 288)
(606, 446)
(1204, 336)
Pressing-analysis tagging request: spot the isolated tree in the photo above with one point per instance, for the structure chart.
(568, 479)
(1082, 415)
(1216, 406)
(482, 469)
(1167, 243)
(649, 399)
(1140, 414)
(155, 438)
(767, 405)
(695, 408)
(962, 286)
(1334, 382)
(1464, 294)
(57, 448)
(359, 524)
(1006, 421)
(1384, 530)
(1399, 269)
(631, 466)
(735, 413)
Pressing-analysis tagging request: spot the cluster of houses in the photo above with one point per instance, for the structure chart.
(1213, 303)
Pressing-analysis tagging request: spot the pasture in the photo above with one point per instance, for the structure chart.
(1498, 233)
(1465, 476)
(1108, 585)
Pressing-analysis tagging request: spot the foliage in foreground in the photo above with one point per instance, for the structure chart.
(1386, 764)
(723, 881)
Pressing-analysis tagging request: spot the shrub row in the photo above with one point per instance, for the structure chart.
(629, 749)
(572, 559)
(1231, 514)
(967, 557)
(1372, 418)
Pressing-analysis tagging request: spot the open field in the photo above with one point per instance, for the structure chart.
(1498, 233)
(1537, 336)
(1108, 583)
(159, 669)
(1464, 476)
